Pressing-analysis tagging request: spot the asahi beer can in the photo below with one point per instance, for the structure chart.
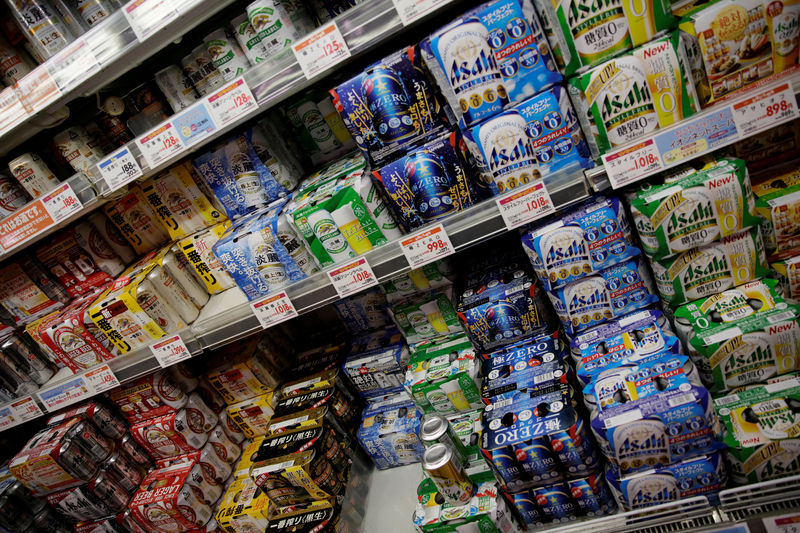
(109, 421)
(45, 30)
(389, 103)
(430, 184)
(73, 143)
(13, 65)
(177, 87)
(33, 174)
(226, 450)
(76, 459)
(181, 270)
(248, 39)
(135, 451)
(99, 250)
(123, 470)
(447, 474)
(93, 11)
(157, 308)
(215, 469)
(109, 491)
(226, 54)
(12, 196)
(113, 237)
(173, 292)
(16, 377)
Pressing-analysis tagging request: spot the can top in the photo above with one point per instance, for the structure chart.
(436, 456)
(433, 427)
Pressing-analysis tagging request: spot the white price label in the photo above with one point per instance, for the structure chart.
(321, 49)
(633, 163)
(26, 409)
(412, 10)
(78, 388)
(73, 65)
(119, 169)
(788, 523)
(101, 379)
(170, 351)
(160, 144)
(427, 246)
(353, 277)
(148, 16)
(11, 110)
(524, 205)
(765, 110)
(231, 102)
(61, 202)
(273, 309)
(37, 90)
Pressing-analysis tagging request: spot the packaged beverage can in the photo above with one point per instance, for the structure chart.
(33, 174)
(249, 39)
(326, 230)
(244, 172)
(13, 65)
(593, 495)
(173, 292)
(46, 31)
(112, 237)
(203, 485)
(194, 74)
(113, 128)
(334, 121)
(274, 25)
(63, 10)
(16, 376)
(226, 450)
(295, 246)
(556, 502)
(574, 449)
(109, 491)
(12, 196)
(93, 11)
(298, 15)
(182, 272)
(99, 250)
(192, 508)
(212, 78)
(430, 184)
(95, 444)
(447, 474)
(377, 206)
(226, 54)
(123, 470)
(155, 305)
(177, 87)
(527, 507)
(314, 123)
(215, 469)
(137, 220)
(536, 459)
(231, 428)
(73, 143)
(108, 421)
(149, 397)
(78, 503)
(435, 429)
(41, 277)
(76, 459)
(14, 514)
(27, 354)
(184, 377)
(388, 102)
(135, 451)
(351, 228)
(47, 520)
(200, 416)
(283, 172)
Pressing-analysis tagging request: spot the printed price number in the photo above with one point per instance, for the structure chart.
(787, 523)
(18, 412)
(231, 102)
(101, 379)
(633, 163)
(170, 351)
(321, 49)
(413, 10)
(160, 144)
(61, 202)
(765, 110)
(119, 169)
(520, 207)
(148, 16)
(353, 277)
(427, 246)
(273, 309)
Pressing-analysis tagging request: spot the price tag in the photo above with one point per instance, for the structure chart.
(412, 10)
(65, 394)
(788, 523)
(524, 205)
(61, 202)
(321, 49)
(427, 246)
(170, 351)
(11, 110)
(119, 169)
(23, 224)
(231, 102)
(37, 90)
(160, 144)
(148, 16)
(193, 124)
(25, 409)
(101, 379)
(633, 163)
(765, 110)
(73, 65)
(273, 309)
(353, 277)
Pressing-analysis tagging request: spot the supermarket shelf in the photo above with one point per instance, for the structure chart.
(766, 497)
(116, 50)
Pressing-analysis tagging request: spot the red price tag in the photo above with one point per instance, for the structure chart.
(525, 204)
(101, 379)
(632, 163)
(412, 10)
(25, 409)
(353, 277)
(765, 110)
(231, 102)
(273, 309)
(170, 351)
(427, 246)
(160, 144)
(24, 224)
(321, 49)
(148, 16)
(788, 523)
(61, 202)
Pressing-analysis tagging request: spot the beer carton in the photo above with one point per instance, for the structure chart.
(324, 389)
(148, 397)
(788, 274)
(198, 249)
(137, 221)
(389, 432)
(427, 315)
(253, 415)
(364, 312)
(378, 370)
(243, 507)
(71, 265)
(37, 466)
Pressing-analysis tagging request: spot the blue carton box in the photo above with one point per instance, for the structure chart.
(389, 431)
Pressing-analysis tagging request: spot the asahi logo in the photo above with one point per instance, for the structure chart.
(582, 10)
(644, 497)
(718, 264)
(744, 359)
(615, 103)
(633, 445)
(774, 468)
(558, 253)
(689, 214)
(469, 63)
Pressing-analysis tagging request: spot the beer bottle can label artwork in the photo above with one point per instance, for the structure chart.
(430, 184)
(388, 102)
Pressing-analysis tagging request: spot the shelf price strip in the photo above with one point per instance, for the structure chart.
(78, 388)
(523, 206)
(273, 309)
(321, 49)
(73, 65)
(160, 144)
(353, 277)
(37, 90)
(715, 128)
(148, 16)
(18, 412)
(788, 523)
(36, 217)
(413, 10)
(119, 169)
(170, 351)
(427, 246)
(231, 102)
(11, 110)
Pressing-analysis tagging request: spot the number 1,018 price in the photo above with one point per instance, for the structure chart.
(360, 276)
(644, 161)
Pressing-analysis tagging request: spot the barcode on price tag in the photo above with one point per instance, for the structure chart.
(61, 202)
(170, 351)
(632, 163)
(321, 49)
(412, 10)
(148, 16)
(73, 65)
(787, 523)
(160, 144)
(273, 309)
(231, 102)
(767, 109)
(353, 277)
(119, 169)
(427, 246)
(524, 205)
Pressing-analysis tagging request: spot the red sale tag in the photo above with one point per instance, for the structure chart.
(24, 224)
(101, 379)
(427, 246)
(765, 110)
(160, 144)
(353, 277)
(231, 102)
(524, 205)
(170, 351)
(321, 49)
(632, 163)
(273, 309)
(61, 202)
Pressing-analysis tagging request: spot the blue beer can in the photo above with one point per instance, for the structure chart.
(528, 509)
(556, 502)
(388, 101)
(430, 184)
(537, 460)
(505, 464)
(592, 495)
(574, 449)
(504, 320)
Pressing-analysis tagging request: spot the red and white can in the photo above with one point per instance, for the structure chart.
(227, 450)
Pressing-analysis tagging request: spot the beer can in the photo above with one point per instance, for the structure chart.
(110, 423)
(226, 54)
(183, 273)
(183, 376)
(129, 523)
(204, 487)
(231, 429)
(223, 446)
(447, 474)
(194, 74)
(528, 508)
(27, 353)
(109, 491)
(537, 460)
(48, 34)
(212, 78)
(556, 502)
(123, 470)
(33, 174)
(76, 460)
(210, 395)
(276, 26)
(329, 235)
(199, 417)
(274, 159)
(214, 468)
(192, 508)
(99, 250)
(12, 196)
(173, 292)
(113, 237)
(177, 87)
(113, 128)
(63, 11)
(435, 429)
(248, 39)
(47, 520)
(73, 143)
(95, 444)
(574, 449)
(93, 11)
(16, 376)
(135, 451)
(378, 208)
(13, 65)
(155, 305)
